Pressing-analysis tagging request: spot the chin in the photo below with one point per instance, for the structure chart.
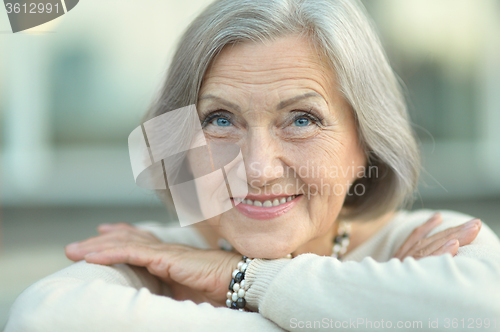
(270, 239)
(270, 248)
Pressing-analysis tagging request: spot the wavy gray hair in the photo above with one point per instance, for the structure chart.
(342, 31)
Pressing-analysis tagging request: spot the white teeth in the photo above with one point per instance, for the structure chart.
(267, 204)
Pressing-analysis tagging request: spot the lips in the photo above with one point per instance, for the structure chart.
(266, 203)
(269, 208)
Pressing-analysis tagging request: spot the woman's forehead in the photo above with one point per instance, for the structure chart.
(271, 101)
(281, 68)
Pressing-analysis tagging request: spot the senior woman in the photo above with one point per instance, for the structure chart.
(296, 85)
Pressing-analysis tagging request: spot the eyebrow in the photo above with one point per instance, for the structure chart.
(295, 99)
(280, 106)
(222, 101)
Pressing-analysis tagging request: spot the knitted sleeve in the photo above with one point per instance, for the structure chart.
(315, 292)
(89, 297)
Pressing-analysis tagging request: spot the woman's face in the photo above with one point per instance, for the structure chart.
(279, 102)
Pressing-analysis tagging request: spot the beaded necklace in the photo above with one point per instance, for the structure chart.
(342, 240)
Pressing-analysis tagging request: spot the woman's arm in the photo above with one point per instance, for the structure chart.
(311, 288)
(57, 300)
(90, 297)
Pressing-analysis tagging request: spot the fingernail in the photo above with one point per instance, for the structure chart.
(91, 254)
(74, 244)
(450, 243)
(433, 218)
(471, 223)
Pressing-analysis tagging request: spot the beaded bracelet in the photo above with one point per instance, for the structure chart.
(237, 287)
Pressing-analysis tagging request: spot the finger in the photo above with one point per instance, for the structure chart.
(418, 234)
(452, 230)
(471, 231)
(108, 228)
(441, 244)
(450, 247)
(130, 254)
(465, 232)
(155, 261)
(105, 228)
(76, 251)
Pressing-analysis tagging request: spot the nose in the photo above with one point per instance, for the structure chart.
(261, 153)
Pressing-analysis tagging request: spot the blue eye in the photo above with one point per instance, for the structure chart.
(222, 122)
(302, 122)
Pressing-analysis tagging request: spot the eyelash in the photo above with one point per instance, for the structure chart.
(303, 114)
(212, 116)
(309, 115)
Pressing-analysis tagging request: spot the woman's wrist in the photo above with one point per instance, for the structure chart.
(258, 277)
(237, 286)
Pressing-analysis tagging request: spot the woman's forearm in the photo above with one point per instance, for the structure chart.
(88, 297)
(312, 288)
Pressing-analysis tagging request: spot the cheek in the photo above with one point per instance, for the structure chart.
(322, 164)
(209, 194)
(215, 225)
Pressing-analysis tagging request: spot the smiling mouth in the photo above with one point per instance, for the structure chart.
(265, 203)
(266, 209)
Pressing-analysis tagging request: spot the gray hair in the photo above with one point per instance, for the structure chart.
(342, 31)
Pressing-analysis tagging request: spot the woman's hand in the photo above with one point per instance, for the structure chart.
(447, 241)
(194, 274)
(111, 236)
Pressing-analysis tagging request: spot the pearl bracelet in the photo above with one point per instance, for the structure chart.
(238, 287)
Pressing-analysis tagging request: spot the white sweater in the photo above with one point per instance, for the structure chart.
(365, 291)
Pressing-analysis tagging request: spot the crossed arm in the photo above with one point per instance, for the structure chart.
(124, 297)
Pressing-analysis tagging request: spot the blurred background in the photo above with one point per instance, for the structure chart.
(73, 89)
